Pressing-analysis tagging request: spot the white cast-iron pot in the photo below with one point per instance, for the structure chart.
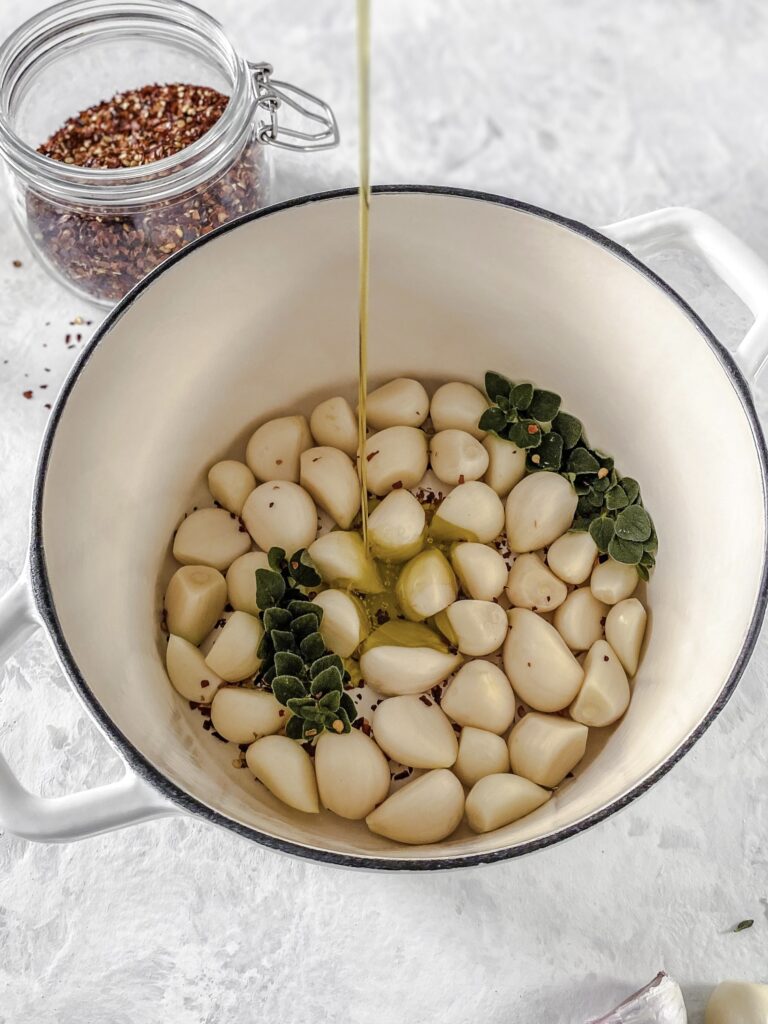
(260, 317)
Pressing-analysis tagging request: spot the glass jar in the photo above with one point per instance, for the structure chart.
(99, 231)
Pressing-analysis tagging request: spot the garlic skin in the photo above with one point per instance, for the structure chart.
(624, 631)
(539, 510)
(544, 748)
(458, 406)
(395, 457)
(333, 423)
(572, 557)
(352, 774)
(241, 581)
(471, 512)
(345, 623)
(397, 527)
(401, 402)
(604, 694)
(506, 464)
(330, 478)
(613, 581)
(659, 1002)
(415, 733)
(479, 627)
(285, 768)
(580, 619)
(481, 753)
(242, 715)
(426, 585)
(342, 561)
(531, 585)
(481, 570)
(541, 669)
(480, 696)
(234, 652)
(230, 482)
(274, 449)
(423, 811)
(187, 671)
(392, 671)
(737, 1002)
(194, 600)
(210, 536)
(280, 514)
(456, 457)
(498, 800)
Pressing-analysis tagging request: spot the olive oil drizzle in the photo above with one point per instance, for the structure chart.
(364, 205)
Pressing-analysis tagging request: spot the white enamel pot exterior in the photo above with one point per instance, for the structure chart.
(260, 318)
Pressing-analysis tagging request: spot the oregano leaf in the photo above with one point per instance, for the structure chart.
(286, 688)
(326, 661)
(493, 419)
(528, 434)
(294, 728)
(522, 394)
(330, 700)
(304, 625)
(581, 460)
(497, 384)
(549, 454)
(326, 681)
(616, 498)
(601, 531)
(633, 524)
(631, 488)
(628, 551)
(312, 647)
(544, 406)
(301, 607)
(287, 663)
(276, 618)
(643, 572)
(568, 427)
(283, 640)
(302, 570)
(276, 559)
(348, 706)
(270, 587)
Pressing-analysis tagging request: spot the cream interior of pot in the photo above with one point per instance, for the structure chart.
(262, 321)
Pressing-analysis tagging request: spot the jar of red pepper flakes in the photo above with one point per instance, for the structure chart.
(130, 129)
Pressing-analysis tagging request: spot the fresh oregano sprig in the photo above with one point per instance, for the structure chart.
(304, 675)
(610, 506)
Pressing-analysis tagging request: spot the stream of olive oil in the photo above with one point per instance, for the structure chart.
(364, 203)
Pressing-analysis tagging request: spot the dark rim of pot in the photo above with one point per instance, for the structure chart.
(148, 772)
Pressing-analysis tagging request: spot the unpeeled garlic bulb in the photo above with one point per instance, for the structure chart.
(613, 581)
(285, 768)
(456, 457)
(624, 631)
(397, 527)
(334, 423)
(230, 482)
(604, 694)
(544, 748)
(280, 514)
(234, 653)
(352, 774)
(423, 811)
(242, 715)
(580, 619)
(194, 601)
(345, 623)
(415, 732)
(471, 512)
(572, 556)
(481, 570)
(498, 800)
(396, 457)
(426, 585)
(506, 464)
(401, 402)
(210, 536)
(541, 669)
(539, 510)
(480, 753)
(342, 561)
(188, 672)
(241, 581)
(481, 696)
(458, 406)
(274, 449)
(532, 585)
(330, 478)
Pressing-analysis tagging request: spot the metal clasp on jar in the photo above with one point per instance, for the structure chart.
(272, 94)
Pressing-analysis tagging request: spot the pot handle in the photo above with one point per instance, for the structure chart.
(78, 815)
(735, 263)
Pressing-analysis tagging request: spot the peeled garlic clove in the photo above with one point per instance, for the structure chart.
(401, 402)
(481, 753)
(210, 536)
(285, 768)
(406, 657)
(604, 694)
(395, 457)
(506, 464)
(613, 581)
(498, 800)
(188, 672)
(481, 570)
(480, 696)
(426, 585)
(352, 774)
(737, 1002)
(580, 619)
(540, 667)
(230, 482)
(342, 561)
(477, 628)
(397, 527)
(424, 811)
(456, 456)
(329, 476)
(624, 631)
(471, 512)
(194, 601)
(234, 653)
(539, 509)
(274, 450)
(415, 733)
(280, 514)
(241, 581)
(345, 622)
(242, 715)
(532, 585)
(334, 423)
(544, 748)
(572, 556)
(458, 406)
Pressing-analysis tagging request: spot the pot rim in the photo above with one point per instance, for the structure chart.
(148, 772)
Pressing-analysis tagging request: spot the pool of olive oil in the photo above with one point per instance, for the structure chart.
(364, 159)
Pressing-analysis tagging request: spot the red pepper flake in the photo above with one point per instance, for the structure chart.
(402, 775)
(17, 263)
(205, 711)
(271, 504)
(281, 713)
(207, 724)
(372, 454)
(425, 700)
(532, 428)
(204, 683)
(366, 727)
(48, 405)
(461, 478)
(397, 485)
(278, 462)
(606, 658)
(27, 394)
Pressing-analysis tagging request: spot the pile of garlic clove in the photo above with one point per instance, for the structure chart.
(512, 638)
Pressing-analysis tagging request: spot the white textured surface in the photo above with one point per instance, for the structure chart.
(593, 108)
